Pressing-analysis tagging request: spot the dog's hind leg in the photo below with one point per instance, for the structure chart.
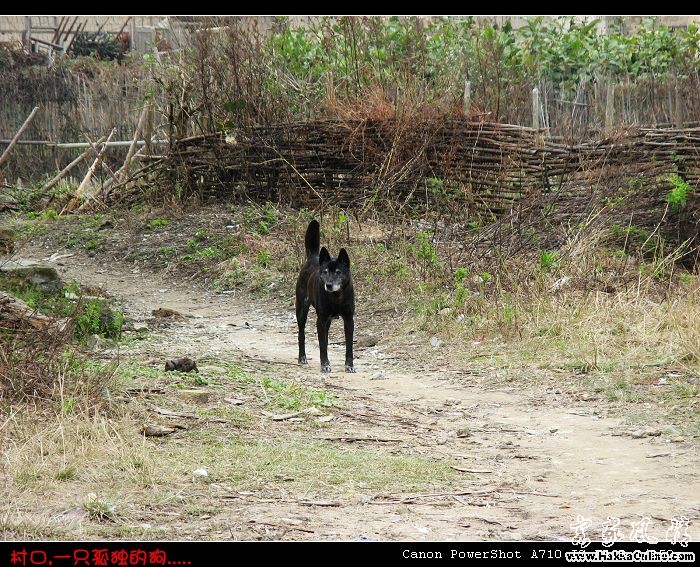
(302, 306)
(322, 328)
(349, 326)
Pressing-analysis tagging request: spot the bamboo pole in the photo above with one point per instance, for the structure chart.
(132, 153)
(71, 165)
(148, 130)
(93, 167)
(7, 151)
(609, 108)
(115, 144)
(108, 184)
(78, 31)
(59, 29)
(536, 108)
(68, 31)
(137, 132)
(78, 145)
(27, 34)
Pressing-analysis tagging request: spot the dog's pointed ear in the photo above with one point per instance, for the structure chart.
(324, 256)
(343, 257)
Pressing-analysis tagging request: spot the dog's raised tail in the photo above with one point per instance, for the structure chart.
(312, 240)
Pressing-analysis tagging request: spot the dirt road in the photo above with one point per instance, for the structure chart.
(527, 460)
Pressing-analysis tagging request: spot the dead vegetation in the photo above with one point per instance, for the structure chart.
(596, 322)
(606, 306)
(489, 259)
(39, 366)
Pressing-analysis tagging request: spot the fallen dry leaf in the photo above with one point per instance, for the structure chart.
(152, 430)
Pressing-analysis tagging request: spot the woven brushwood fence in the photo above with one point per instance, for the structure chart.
(396, 164)
(529, 190)
(389, 163)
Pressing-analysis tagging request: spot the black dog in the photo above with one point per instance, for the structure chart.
(325, 283)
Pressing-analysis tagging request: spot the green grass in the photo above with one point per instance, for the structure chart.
(293, 396)
(548, 260)
(262, 260)
(70, 472)
(132, 372)
(261, 220)
(99, 509)
(282, 393)
(317, 466)
(90, 316)
(204, 255)
(167, 251)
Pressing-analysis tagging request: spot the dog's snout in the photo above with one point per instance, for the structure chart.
(329, 287)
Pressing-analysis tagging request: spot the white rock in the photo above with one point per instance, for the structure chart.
(200, 474)
(560, 283)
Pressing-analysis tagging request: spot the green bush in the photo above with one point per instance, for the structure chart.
(91, 316)
(430, 57)
(678, 196)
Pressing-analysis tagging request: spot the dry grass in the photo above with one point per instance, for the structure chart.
(594, 304)
(90, 473)
(599, 314)
(592, 310)
(44, 452)
(618, 327)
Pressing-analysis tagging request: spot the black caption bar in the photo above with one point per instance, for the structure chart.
(199, 554)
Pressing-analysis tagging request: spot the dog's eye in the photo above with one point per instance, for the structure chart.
(325, 270)
(337, 272)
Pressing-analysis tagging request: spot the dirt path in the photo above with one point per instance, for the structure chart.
(532, 460)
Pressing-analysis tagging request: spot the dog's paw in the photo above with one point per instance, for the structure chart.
(325, 368)
(302, 360)
(349, 368)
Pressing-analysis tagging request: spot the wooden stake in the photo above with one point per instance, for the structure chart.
(121, 31)
(27, 34)
(81, 28)
(108, 184)
(148, 130)
(7, 151)
(59, 29)
(68, 31)
(467, 100)
(609, 108)
(536, 108)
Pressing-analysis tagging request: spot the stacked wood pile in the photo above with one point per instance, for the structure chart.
(534, 188)
(391, 163)
(398, 163)
(622, 184)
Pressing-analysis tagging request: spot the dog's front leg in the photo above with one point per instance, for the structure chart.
(349, 326)
(302, 314)
(322, 328)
